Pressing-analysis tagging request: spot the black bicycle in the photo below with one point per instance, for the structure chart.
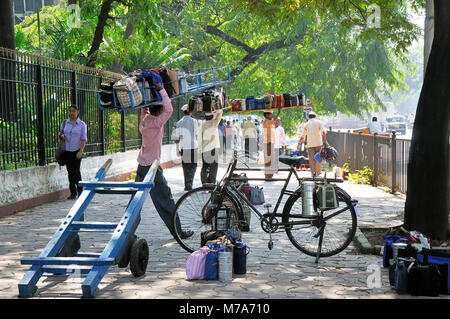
(314, 228)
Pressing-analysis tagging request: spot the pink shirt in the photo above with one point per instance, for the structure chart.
(152, 130)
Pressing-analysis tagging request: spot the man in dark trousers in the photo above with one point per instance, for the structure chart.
(186, 139)
(151, 128)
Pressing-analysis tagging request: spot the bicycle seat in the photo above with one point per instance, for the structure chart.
(293, 160)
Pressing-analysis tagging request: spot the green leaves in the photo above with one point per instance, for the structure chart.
(324, 48)
(134, 31)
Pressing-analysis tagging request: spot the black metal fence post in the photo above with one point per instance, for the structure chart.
(101, 124)
(122, 132)
(40, 117)
(73, 91)
(394, 162)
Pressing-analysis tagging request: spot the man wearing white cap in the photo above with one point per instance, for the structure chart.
(208, 139)
(316, 138)
(186, 139)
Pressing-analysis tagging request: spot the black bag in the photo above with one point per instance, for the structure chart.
(408, 251)
(207, 103)
(401, 278)
(106, 95)
(167, 82)
(146, 86)
(431, 256)
(210, 235)
(191, 104)
(393, 267)
(443, 278)
(329, 153)
(424, 280)
(287, 99)
(59, 153)
(243, 179)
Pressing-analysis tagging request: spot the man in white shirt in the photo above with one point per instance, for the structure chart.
(374, 126)
(280, 137)
(186, 139)
(316, 138)
(250, 134)
(208, 139)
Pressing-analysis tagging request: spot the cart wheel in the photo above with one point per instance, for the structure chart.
(125, 259)
(139, 257)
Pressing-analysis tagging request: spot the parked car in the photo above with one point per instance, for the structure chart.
(396, 123)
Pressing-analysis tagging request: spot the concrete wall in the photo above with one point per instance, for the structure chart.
(24, 188)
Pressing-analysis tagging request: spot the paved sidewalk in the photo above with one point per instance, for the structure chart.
(283, 272)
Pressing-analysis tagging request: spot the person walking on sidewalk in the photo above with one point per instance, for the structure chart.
(270, 159)
(187, 145)
(228, 136)
(208, 140)
(249, 130)
(74, 131)
(280, 137)
(374, 126)
(222, 137)
(316, 136)
(151, 127)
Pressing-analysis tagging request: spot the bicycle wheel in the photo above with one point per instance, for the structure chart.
(190, 213)
(339, 226)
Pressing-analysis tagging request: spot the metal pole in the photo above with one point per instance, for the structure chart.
(394, 162)
(101, 126)
(40, 117)
(122, 131)
(73, 92)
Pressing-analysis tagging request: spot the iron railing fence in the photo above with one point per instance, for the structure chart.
(35, 95)
(387, 156)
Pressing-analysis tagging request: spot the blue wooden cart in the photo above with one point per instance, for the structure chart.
(61, 256)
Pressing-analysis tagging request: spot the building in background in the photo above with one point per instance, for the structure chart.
(24, 8)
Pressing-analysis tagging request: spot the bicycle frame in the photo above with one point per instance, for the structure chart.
(269, 222)
(228, 177)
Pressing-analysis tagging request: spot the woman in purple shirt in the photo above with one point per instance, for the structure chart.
(74, 132)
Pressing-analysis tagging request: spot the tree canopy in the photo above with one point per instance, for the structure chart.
(323, 48)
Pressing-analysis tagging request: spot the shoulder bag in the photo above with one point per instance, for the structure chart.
(61, 148)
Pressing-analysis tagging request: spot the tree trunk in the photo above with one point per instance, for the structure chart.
(117, 66)
(429, 32)
(7, 35)
(427, 201)
(8, 104)
(98, 34)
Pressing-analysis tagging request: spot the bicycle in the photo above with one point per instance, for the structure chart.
(325, 232)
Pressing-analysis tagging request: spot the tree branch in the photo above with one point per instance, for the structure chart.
(252, 54)
(98, 34)
(215, 31)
